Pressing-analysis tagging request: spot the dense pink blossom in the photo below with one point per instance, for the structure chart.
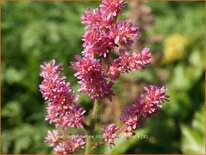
(54, 88)
(123, 32)
(62, 108)
(48, 69)
(105, 16)
(97, 42)
(149, 102)
(129, 62)
(62, 145)
(110, 133)
(131, 123)
(77, 141)
(100, 43)
(152, 101)
(60, 97)
(92, 78)
(76, 117)
(65, 116)
(145, 104)
(111, 8)
(62, 148)
(73, 118)
(52, 138)
(94, 19)
(67, 147)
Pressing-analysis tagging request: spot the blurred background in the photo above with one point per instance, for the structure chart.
(34, 32)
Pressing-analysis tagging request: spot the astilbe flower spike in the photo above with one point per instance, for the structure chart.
(145, 104)
(62, 108)
(134, 115)
(96, 72)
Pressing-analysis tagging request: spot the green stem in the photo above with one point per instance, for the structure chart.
(90, 131)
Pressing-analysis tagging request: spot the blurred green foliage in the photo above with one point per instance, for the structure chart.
(34, 32)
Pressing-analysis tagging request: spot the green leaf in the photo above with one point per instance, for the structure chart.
(11, 109)
(197, 62)
(22, 144)
(6, 141)
(179, 80)
(193, 137)
(198, 122)
(13, 75)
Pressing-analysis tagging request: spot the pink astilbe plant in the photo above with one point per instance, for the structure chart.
(96, 72)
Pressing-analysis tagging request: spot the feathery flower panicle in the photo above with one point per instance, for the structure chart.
(103, 33)
(129, 62)
(60, 97)
(110, 133)
(92, 78)
(124, 31)
(111, 8)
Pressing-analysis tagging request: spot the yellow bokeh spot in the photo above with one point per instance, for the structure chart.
(174, 48)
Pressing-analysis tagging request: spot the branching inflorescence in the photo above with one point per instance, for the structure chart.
(96, 72)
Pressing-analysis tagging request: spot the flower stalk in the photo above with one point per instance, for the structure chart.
(90, 131)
